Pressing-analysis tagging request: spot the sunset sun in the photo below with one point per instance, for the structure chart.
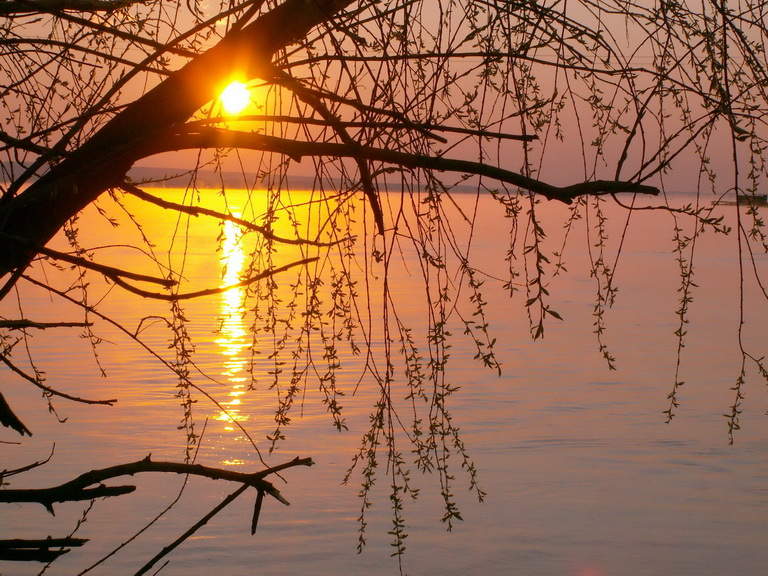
(235, 97)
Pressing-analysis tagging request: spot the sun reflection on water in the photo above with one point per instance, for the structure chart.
(233, 336)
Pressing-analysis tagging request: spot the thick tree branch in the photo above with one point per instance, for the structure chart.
(218, 138)
(9, 419)
(17, 7)
(40, 211)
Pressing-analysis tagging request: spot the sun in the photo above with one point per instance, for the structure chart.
(235, 97)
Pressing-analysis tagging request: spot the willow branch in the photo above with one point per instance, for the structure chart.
(218, 138)
(282, 119)
(109, 271)
(210, 291)
(199, 210)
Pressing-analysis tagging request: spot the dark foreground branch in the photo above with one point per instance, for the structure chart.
(36, 550)
(81, 488)
(13, 7)
(211, 291)
(218, 138)
(199, 210)
(24, 323)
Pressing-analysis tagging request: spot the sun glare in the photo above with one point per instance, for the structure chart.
(235, 97)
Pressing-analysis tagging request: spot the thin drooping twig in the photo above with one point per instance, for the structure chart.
(211, 291)
(198, 210)
(4, 359)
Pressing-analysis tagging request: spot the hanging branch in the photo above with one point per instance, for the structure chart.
(4, 359)
(211, 291)
(9, 419)
(199, 210)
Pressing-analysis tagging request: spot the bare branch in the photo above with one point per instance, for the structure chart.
(23, 323)
(16, 7)
(79, 488)
(199, 210)
(108, 271)
(9, 419)
(4, 359)
(218, 138)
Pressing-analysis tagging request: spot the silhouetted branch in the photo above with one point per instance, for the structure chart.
(211, 291)
(36, 550)
(108, 271)
(15, 7)
(198, 210)
(80, 487)
(10, 420)
(218, 138)
(6, 473)
(23, 323)
(4, 359)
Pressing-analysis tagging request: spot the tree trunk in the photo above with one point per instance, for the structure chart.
(34, 216)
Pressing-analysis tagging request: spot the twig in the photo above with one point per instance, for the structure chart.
(4, 359)
(210, 291)
(199, 210)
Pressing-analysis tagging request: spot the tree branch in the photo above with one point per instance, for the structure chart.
(218, 138)
(108, 271)
(9, 419)
(23, 323)
(36, 550)
(16, 7)
(4, 359)
(210, 291)
(198, 210)
(80, 488)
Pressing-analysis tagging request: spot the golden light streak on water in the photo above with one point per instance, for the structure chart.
(233, 335)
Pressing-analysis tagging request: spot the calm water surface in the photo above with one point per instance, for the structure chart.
(582, 475)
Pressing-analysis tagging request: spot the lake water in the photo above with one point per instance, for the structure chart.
(583, 477)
